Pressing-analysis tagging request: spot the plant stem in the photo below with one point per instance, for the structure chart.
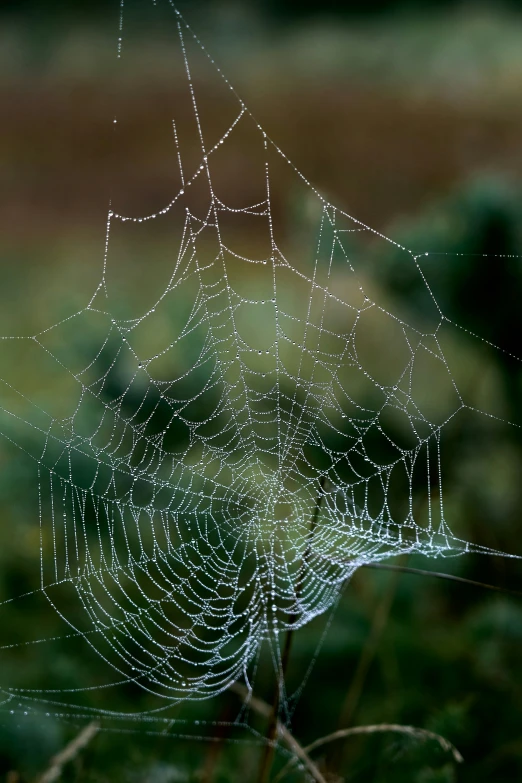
(263, 708)
(69, 753)
(377, 728)
(268, 755)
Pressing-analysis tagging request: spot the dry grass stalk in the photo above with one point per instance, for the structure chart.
(264, 709)
(69, 753)
(378, 728)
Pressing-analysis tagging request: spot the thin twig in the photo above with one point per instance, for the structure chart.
(268, 755)
(377, 728)
(264, 709)
(69, 753)
(440, 575)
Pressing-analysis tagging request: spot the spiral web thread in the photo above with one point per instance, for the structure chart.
(219, 479)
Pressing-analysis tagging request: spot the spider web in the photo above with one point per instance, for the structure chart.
(221, 461)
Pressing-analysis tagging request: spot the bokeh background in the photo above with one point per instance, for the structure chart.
(408, 116)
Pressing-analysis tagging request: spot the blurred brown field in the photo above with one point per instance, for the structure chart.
(378, 155)
(377, 150)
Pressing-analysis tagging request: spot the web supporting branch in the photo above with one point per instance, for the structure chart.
(69, 753)
(377, 728)
(264, 709)
(268, 755)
